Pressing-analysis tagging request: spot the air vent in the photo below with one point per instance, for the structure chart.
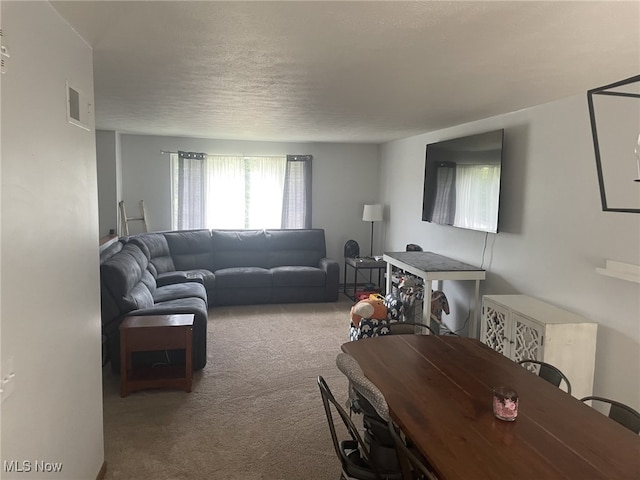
(4, 54)
(78, 107)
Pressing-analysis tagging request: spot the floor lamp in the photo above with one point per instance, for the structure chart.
(372, 213)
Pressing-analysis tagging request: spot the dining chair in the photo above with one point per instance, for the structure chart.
(361, 388)
(355, 460)
(619, 412)
(366, 399)
(411, 465)
(405, 328)
(547, 371)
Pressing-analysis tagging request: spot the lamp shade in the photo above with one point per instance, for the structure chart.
(372, 213)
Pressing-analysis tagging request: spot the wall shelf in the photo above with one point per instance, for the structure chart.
(624, 271)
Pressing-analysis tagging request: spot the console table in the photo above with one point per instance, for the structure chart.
(431, 266)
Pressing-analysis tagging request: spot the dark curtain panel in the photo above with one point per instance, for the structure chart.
(296, 202)
(190, 212)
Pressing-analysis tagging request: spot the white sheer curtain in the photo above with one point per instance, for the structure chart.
(264, 189)
(225, 205)
(475, 182)
(228, 192)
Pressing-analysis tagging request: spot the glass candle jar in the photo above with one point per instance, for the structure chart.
(505, 403)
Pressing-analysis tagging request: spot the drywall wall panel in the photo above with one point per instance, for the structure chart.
(106, 154)
(50, 298)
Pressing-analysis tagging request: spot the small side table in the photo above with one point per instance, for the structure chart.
(155, 332)
(361, 263)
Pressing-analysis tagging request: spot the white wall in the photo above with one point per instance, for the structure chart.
(109, 179)
(50, 297)
(345, 177)
(553, 232)
(2, 367)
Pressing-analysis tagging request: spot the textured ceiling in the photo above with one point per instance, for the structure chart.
(343, 71)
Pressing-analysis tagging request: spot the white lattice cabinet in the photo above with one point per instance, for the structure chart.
(521, 327)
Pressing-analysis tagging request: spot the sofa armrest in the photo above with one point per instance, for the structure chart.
(332, 269)
(169, 278)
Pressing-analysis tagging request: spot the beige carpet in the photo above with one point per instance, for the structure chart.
(255, 410)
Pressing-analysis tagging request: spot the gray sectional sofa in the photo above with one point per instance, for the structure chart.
(190, 271)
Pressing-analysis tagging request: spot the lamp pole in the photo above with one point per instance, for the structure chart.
(372, 213)
(371, 253)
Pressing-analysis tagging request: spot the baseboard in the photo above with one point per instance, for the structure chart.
(103, 471)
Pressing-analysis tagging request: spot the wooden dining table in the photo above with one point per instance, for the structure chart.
(440, 390)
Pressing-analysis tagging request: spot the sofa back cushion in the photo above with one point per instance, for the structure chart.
(239, 248)
(190, 249)
(126, 277)
(160, 260)
(109, 251)
(295, 247)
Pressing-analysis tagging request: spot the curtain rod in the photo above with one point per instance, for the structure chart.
(165, 152)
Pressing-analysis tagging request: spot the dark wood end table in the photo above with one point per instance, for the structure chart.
(150, 333)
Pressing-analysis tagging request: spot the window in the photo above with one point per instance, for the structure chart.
(240, 192)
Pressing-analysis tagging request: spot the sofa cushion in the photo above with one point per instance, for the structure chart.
(149, 281)
(295, 247)
(109, 251)
(159, 254)
(238, 248)
(243, 277)
(190, 249)
(123, 275)
(180, 290)
(297, 276)
(139, 297)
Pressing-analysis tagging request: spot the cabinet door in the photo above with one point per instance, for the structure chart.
(527, 339)
(495, 328)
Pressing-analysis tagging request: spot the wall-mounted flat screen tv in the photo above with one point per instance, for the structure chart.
(462, 182)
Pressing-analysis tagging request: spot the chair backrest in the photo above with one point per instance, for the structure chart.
(410, 465)
(547, 371)
(408, 328)
(621, 413)
(367, 399)
(362, 385)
